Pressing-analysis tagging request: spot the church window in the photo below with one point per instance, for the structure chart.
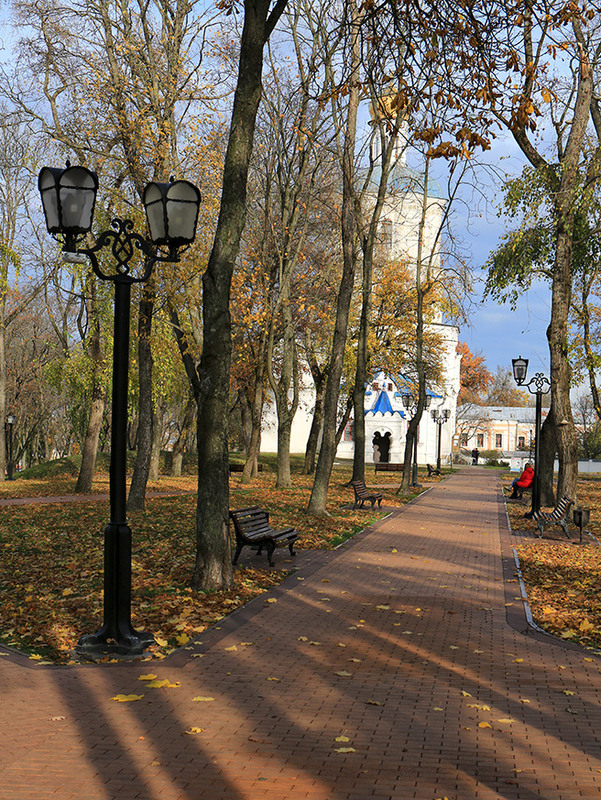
(498, 441)
(389, 387)
(375, 385)
(480, 440)
(464, 439)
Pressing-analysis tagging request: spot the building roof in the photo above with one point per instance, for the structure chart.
(382, 405)
(499, 413)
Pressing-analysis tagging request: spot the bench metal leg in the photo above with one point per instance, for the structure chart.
(270, 550)
(564, 526)
(237, 553)
(290, 546)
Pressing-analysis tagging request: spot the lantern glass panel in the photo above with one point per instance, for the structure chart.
(77, 197)
(520, 369)
(47, 183)
(183, 200)
(155, 212)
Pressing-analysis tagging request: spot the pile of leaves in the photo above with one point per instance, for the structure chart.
(51, 559)
(563, 581)
(563, 578)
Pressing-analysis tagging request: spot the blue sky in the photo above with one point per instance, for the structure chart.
(496, 331)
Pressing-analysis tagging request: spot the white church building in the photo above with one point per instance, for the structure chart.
(386, 419)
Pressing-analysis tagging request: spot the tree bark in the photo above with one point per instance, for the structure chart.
(547, 453)
(327, 453)
(98, 396)
(178, 447)
(213, 567)
(137, 490)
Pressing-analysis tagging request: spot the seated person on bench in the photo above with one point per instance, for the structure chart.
(523, 482)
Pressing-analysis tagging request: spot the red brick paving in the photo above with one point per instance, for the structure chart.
(450, 694)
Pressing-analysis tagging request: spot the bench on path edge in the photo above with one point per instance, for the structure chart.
(362, 493)
(387, 466)
(433, 471)
(559, 516)
(252, 529)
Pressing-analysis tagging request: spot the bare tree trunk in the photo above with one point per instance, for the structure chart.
(547, 453)
(155, 455)
(327, 454)
(213, 567)
(178, 447)
(137, 490)
(98, 397)
(316, 425)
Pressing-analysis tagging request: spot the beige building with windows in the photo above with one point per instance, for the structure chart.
(503, 428)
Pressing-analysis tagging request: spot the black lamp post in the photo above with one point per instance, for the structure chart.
(10, 421)
(68, 198)
(410, 402)
(439, 417)
(538, 385)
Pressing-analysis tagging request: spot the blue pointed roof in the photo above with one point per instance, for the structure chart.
(382, 405)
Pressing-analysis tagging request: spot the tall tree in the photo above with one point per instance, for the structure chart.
(210, 382)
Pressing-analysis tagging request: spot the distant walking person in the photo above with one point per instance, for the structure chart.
(475, 455)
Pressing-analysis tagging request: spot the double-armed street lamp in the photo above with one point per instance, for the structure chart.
(410, 402)
(68, 198)
(538, 386)
(440, 416)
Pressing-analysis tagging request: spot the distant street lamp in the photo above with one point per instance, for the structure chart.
(10, 421)
(68, 198)
(410, 402)
(538, 385)
(439, 417)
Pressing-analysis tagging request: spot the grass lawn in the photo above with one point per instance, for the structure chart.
(563, 578)
(51, 556)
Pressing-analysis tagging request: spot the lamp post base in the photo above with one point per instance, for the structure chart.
(127, 643)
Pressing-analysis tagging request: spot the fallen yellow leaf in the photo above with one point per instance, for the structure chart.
(506, 720)
(160, 642)
(127, 698)
(67, 592)
(271, 600)
(342, 739)
(273, 679)
(231, 649)
(344, 674)
(345, 749)
(150, 677)
(202, 699)
(183, 638)
(192, 730)
(484, 725)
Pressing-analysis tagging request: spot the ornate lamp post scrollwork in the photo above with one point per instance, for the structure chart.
(538, 386)
(68, 199)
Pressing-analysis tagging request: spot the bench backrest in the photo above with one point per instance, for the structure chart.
(251, 523)
(562, 507)
(359, 486)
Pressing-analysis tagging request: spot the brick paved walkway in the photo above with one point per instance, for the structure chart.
(400, 646)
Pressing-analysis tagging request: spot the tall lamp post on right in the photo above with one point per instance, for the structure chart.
(440, 417)
(538, 385)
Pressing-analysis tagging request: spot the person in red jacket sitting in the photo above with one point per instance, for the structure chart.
(523, 482)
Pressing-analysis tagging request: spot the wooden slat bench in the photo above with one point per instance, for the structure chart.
(433, 471)
(388, 466)
(253, 530)
(362, 493)
(559, 516)
(240, 467)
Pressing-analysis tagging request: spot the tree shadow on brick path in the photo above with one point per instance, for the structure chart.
(380, 674)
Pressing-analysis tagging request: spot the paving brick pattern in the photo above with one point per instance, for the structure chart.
(399, 667)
